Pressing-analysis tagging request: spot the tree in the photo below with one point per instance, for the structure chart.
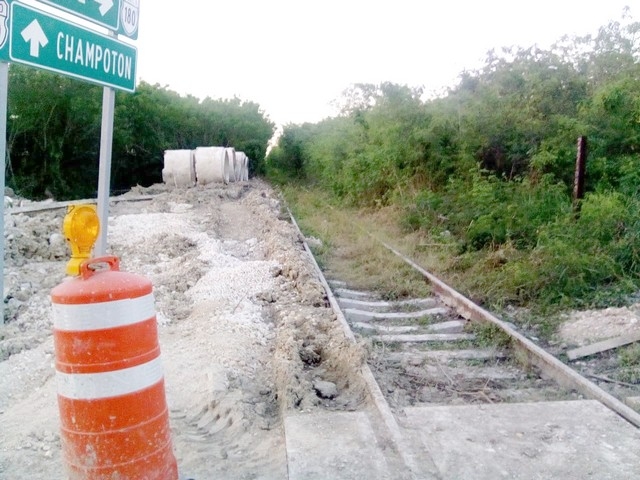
(54, 139)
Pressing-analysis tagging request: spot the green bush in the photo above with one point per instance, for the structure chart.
(487, 230)
(490, 167)
(590, 261)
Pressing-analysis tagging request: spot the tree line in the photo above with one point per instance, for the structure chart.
(53, 133)
(490, 164)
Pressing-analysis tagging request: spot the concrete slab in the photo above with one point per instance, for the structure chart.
(356, 315)
(384, 328)
(633, 402)
(603, 346)
(334, 445)
(572, 440)
(452, 326)
(353, 294)
(424, 338)
(445, 356)
(382, 305)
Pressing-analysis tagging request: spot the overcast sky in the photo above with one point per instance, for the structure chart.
(294, 57)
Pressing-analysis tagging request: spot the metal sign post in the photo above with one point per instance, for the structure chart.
(4, 90)
(46, 41)
(33, 37)
(104, 176)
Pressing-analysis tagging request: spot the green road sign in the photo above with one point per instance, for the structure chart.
(102, 12)
(42, 40)
(121, 16)
(4, 30)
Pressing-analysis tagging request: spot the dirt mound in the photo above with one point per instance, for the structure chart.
(245, 330)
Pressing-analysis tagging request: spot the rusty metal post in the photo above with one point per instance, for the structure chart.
(578, 184)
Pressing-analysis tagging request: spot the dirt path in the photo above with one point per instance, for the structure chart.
(244, 330)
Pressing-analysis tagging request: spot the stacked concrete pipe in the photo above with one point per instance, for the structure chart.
(232, 164)
(242, 166)
(238, 168)
(179, 168)
(246, 169)
(212, 165)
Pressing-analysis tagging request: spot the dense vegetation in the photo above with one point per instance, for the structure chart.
(54, 133)
(487, 169)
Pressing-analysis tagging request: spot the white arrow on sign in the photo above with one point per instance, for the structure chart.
(105, 6)
(34, 34)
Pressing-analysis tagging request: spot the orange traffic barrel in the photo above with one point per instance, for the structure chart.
(113, 411)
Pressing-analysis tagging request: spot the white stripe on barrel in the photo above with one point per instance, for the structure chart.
(94, 386)
(98, 316)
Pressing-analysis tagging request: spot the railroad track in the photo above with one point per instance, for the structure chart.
(527, 352)
(445, 375)
(423, 352)
(447, 349)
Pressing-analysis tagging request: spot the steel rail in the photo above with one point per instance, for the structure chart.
(377, 397)
(59, 205)
(535, 355)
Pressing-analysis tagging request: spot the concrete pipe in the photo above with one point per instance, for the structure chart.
(231, 152)
(241, 158)
(212, 165)
(246, 169)
(179, 168)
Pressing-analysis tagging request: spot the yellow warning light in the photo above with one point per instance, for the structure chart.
(81, 228)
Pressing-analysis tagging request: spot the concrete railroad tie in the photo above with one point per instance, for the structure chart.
(356, 315)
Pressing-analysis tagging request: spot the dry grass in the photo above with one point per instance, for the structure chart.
(351, 251)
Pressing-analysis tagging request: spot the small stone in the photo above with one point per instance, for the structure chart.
(415, 361)
(292, 273)
(266, 296)
(56, 239)
(310, 355)
(314, 242)
(261, 409)
(325, 389)
(265, 424)
(275, 271)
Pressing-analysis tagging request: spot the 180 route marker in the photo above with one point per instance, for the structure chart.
(122, 16)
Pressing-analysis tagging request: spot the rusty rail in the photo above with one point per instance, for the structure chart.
(535, 355)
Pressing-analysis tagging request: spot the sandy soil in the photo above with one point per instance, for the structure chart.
(245, 331)
(590, 326)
